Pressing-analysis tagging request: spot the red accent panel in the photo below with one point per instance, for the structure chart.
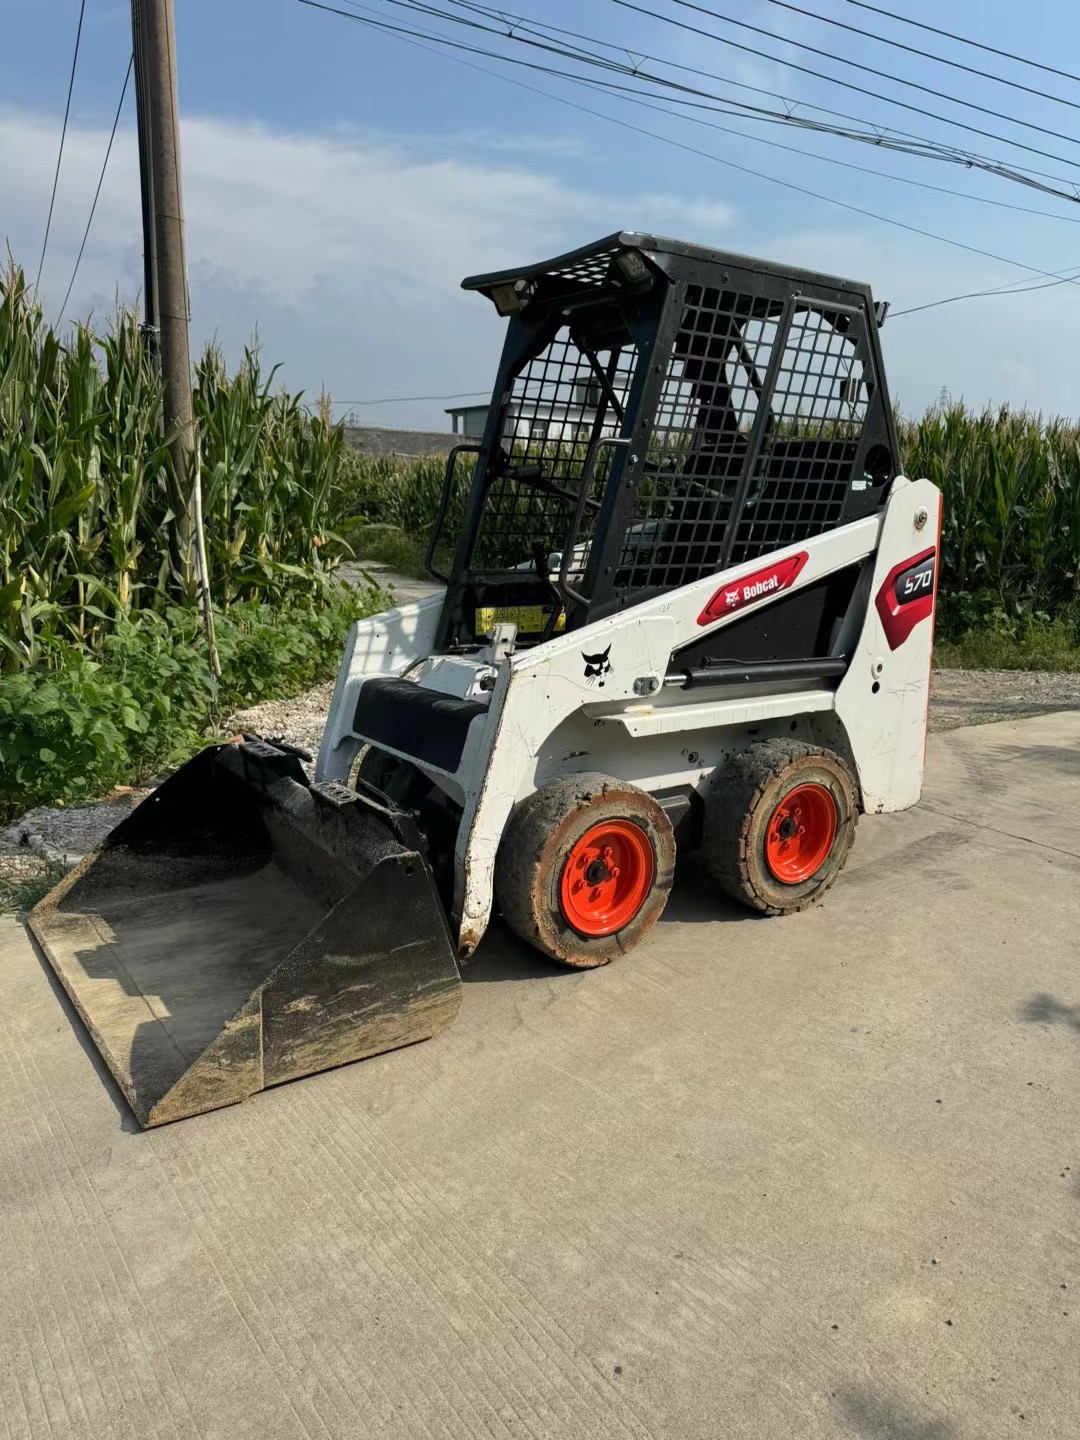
(898, 618)
(769, 581)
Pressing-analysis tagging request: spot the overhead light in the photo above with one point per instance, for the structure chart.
(633, 268)
(512, 296)
(507, 300)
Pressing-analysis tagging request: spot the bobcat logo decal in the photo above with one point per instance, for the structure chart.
(597, 666)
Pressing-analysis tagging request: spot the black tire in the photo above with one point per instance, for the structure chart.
(747, 793)
(537, 846)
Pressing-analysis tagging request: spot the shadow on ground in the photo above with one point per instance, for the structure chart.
(1049, 1010)
(876, 1415)
(694, 900)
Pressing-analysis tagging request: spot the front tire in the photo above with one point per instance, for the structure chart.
(779, 823)
(585, 868)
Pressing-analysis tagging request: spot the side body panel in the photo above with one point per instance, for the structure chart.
(385, 644)
(882, 700)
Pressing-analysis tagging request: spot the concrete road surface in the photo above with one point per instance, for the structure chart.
(816, 1177)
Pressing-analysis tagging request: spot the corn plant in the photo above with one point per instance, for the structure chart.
(88, 496)
(1011, 487)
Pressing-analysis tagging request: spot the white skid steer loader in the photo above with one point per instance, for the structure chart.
(690, 607)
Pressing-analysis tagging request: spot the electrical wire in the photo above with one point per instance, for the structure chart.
(622, 92)
(924, 55)
(678, 144)
(878, 136)
(63, 136)
(847, 84)
(1013, 289)
(543, 27)
(97, 192)
(877, 133)
(834, 160)
(888, 75)
(964, 40)
(403, 399)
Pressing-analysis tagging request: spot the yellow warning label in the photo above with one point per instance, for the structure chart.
(529, 619)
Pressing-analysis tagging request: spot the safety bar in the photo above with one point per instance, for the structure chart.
(565, 588)
(440, 514)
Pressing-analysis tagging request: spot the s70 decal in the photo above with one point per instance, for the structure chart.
(907, 596)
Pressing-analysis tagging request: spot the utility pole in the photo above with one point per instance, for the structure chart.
(165, 267)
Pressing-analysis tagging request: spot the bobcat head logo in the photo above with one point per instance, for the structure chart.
(597, 666)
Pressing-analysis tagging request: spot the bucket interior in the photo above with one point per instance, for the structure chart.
(162, 973)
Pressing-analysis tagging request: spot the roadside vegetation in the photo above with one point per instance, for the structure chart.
(104, 671)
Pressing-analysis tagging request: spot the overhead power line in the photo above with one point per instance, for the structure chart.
(861, 89)
(63, 136)
(516, 23)
(405, 399)
(519, 30)
(925, 55)
(97, 192)
(878, 132)
(1012, 289)
(835, 160)
(665, 139)
(519, 27)
(965, 40)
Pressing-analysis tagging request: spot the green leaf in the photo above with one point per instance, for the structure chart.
(65, 512)
(46, 756)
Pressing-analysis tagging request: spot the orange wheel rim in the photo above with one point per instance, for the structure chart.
(606, 877)
(801, 832)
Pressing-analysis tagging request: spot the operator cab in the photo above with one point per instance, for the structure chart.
(662, 411)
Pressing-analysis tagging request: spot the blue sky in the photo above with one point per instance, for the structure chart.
(339, 181)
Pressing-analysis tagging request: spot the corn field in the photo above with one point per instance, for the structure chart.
(1011, 485)
(88, 498)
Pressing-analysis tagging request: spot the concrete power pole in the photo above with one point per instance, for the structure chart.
(167, 312)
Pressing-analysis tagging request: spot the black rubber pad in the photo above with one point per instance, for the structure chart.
(425, 724)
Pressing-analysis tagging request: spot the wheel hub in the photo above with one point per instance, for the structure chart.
(597, 873)
(606, 878)
(800, 833)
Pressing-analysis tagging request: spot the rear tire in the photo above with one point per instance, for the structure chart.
(585, 868)
(779, 823)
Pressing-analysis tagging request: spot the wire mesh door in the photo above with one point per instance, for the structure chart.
(708, 500)
(700, 438)
(806, 461)
(561, 402)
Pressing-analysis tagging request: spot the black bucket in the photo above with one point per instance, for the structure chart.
(244, 927)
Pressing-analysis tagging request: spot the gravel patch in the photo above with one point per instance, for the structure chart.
(64, 833)
(976, 697)
(298, 721)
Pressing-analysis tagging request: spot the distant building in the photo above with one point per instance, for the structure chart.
(542, 418)
(468, 420)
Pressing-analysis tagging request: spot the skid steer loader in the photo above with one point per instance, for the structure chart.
(689, 608)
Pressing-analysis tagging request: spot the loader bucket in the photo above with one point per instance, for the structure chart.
(243, 927)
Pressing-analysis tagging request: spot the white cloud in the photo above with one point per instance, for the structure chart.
(558, 147)
(346, 250)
